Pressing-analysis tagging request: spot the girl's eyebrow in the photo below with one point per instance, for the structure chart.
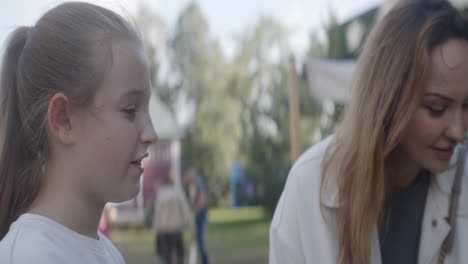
(134, 93)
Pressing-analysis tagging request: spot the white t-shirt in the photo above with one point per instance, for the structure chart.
(38, 239)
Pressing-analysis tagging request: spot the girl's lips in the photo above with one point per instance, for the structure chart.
(138, 166)
(138, 163)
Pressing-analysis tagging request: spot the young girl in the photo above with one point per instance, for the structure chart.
(75, 126)
(390, 186)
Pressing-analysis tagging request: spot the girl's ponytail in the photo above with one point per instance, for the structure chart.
(18, 187)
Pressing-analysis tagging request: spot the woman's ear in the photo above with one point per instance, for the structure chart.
(59, 119)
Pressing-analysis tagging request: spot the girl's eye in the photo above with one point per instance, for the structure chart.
(436, 111)
(130, 112)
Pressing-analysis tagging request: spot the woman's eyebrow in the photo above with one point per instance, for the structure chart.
(444, 97)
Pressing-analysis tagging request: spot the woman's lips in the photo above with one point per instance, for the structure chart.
(444, 153)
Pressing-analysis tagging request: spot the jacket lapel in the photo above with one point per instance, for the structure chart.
(376, 255)
(435, 227)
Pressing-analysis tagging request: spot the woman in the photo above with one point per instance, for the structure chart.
(381, 189)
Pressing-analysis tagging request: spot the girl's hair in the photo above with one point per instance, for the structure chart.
(67, 51)
(391, 76)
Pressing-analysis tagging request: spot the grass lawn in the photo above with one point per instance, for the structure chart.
(234, 236)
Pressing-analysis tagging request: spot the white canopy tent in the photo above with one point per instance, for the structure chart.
(330, 79)
(163, 121)
(167, 130)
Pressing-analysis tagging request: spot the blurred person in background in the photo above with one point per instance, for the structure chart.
(104, 223)
(388, 186)
(197, 193)
(171, 214)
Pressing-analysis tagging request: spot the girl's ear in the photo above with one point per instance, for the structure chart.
(59, 119)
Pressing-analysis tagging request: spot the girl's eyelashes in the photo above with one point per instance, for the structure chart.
(130, 112)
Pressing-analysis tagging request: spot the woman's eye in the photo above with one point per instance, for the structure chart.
(465, 107)
(436, 111)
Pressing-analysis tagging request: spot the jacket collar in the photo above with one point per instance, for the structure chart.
(329, 196)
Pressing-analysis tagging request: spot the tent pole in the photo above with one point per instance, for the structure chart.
(294, 125)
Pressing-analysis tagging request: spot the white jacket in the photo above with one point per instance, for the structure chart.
(301, 233)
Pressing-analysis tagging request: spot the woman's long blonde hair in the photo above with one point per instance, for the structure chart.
(392, 73)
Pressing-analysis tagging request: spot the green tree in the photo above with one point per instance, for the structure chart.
(259, 81)
(211, 140)
(154, 35)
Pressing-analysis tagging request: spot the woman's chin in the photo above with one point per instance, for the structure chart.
(438, 167)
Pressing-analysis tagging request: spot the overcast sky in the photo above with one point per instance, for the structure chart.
(226, 17)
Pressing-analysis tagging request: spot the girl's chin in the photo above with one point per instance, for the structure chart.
(123, 197)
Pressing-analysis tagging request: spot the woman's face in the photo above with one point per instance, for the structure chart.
(441, 119)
